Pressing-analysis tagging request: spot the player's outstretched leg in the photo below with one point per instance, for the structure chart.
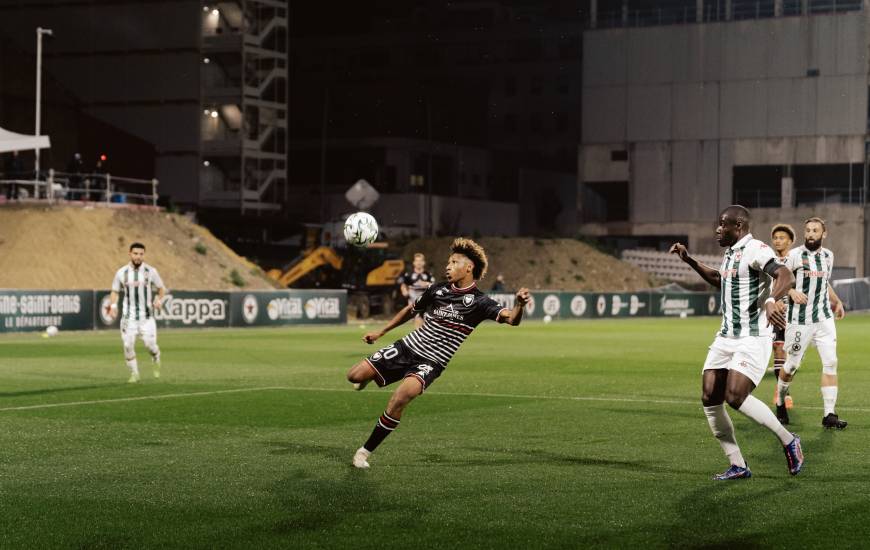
(738, 395)
(713, 398)
(410, 388)
(361, 374)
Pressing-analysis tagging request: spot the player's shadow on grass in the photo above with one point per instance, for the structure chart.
(47, 391)
(310, 503)
(537, 456)
(305, 449)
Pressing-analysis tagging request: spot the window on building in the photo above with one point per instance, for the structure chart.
(828, 183)
(757, 186)
(604, 201)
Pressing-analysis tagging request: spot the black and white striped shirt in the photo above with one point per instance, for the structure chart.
(450, 314)
(137, 286)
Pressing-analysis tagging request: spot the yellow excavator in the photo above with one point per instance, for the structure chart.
(369, 275)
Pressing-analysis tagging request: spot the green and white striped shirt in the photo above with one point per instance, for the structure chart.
(812, 272)
(137, 285)
(745, 287)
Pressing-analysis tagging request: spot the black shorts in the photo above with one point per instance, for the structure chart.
(778, 335)
(396, 362)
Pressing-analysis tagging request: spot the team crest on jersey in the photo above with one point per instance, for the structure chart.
(468, 299)
(738, 254)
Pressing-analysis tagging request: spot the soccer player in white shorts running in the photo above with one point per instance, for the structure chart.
(137, 280)
(740, 353)
(813, 306)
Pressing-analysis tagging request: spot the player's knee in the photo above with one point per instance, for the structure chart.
(830, 368)
(357, 374)
(130, 350)
(734, 398)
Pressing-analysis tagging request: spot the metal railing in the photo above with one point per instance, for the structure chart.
(763, 198)
(89, 187)
(715, 11)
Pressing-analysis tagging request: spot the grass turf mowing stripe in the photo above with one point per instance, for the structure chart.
(613, 399)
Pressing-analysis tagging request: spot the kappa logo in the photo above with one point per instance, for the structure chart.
(424, 370)
(250, 308)
(468, 299)
(743, 365)
(191, 310)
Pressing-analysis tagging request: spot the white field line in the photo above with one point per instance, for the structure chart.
(613, 399)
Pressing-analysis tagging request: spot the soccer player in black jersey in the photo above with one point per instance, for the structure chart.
(414, 282)
(451, 311)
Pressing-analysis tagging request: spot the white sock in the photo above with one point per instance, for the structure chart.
(723, 430)
(829, 398)
(753, 408)
(781, 391)
(133, 365)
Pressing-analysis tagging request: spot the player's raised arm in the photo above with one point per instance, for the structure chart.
(403, 316)
(706, 272)
(514, 316)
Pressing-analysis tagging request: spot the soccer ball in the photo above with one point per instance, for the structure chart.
(547, 319)
(51, 331)
(360, 229)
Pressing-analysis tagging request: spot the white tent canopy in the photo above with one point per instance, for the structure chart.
(10, 141)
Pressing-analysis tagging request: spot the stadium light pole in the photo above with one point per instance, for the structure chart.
(39, 33)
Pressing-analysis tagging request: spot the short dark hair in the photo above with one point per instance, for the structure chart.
(473, 252)
(137, 245)
(785, 228)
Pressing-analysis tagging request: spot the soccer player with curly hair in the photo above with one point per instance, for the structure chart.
(451, 310)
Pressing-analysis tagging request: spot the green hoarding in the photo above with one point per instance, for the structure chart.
(288, 307)
(590, 305)
(181, 308)
(35, 310)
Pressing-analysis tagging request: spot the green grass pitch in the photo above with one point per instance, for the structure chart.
(572, 434)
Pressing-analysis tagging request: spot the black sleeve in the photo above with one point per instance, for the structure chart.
(424, 300)
(401, 280)
(491, 309)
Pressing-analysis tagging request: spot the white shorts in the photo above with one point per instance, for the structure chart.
(798, 338)
(748, 355)
(130, 329)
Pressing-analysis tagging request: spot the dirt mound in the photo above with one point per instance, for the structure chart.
(552, 264)
(69, 247)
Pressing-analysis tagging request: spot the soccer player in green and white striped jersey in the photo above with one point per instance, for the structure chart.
(137, 280)
(813, 306)
(741, 350)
